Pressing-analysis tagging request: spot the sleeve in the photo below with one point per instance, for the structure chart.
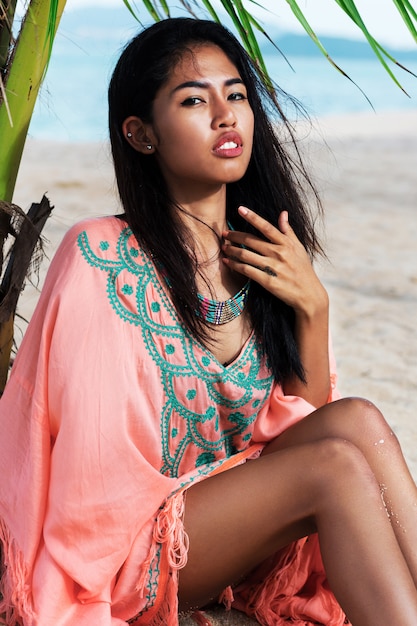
(78, 497)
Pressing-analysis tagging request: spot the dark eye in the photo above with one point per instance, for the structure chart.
(237, 95)
(189, 102)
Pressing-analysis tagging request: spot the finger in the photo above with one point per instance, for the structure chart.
(249, 257)
(283, 223)
(269, 231)
(264, 275)
(249, 241)
(243, 257)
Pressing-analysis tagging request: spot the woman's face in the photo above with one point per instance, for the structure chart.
(202, 127)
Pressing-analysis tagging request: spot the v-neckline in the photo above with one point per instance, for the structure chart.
(248, 344)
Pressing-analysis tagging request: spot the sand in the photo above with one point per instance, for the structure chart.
(370, 195)
(366, 168)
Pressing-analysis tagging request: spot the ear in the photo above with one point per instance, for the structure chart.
(140, 135)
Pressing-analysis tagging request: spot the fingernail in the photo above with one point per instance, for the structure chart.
(243, 210)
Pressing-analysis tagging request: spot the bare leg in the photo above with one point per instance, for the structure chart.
(359, 422)
(238, 518)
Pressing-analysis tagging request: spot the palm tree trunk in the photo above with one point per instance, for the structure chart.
(22, 73)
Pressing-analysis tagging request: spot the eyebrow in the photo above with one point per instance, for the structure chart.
(206, 85)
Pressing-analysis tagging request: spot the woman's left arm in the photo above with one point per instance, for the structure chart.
(312, 337)
(282, 266)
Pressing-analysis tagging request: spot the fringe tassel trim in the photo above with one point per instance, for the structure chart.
(15, 596)
(294, 590)
(169, 538)
(227, 598)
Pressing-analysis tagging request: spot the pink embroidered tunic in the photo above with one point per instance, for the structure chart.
(111, 412)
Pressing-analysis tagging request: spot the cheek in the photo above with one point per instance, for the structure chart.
(175, 142)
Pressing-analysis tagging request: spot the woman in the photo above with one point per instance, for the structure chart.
(171, 431)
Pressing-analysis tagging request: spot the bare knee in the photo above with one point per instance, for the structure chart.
(369, 423)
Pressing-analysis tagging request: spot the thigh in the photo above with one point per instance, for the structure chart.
(238, 518)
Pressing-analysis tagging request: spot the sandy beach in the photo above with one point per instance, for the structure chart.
(365, 166)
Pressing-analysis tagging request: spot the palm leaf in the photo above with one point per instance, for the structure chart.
(246, 25)
(209, 8)
(165, 8)
(129, 8)
(349, 7)
(24, 77)
(408, 14)
(311, 33)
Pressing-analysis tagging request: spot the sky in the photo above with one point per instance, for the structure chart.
(325, 17)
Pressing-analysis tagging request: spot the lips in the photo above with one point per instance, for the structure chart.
(229, 145)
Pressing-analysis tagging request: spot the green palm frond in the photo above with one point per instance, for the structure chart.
(407, 13)
(248, 28)
(21, 84)
(242, 22)
(129, 8)
(349, 7)
(409, 16)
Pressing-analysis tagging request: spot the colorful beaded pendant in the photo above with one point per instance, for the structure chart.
(215, 312)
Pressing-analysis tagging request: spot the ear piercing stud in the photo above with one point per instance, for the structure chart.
(148, 146)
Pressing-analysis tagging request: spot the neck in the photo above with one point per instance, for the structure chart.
(205, 219)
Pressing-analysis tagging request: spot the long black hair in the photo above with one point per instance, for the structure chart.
(275, 179)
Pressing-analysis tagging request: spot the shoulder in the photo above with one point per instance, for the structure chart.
(101, 234)
(98, 228)
(84, 241)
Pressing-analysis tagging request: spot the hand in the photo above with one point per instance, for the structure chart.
(280, 264)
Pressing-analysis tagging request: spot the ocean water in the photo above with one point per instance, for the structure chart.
(72, 105)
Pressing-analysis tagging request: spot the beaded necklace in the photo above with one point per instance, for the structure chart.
(215, 312)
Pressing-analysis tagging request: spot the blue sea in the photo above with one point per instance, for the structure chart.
(72, 105)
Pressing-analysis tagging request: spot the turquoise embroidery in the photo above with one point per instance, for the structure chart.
(208, 410)
(211, 412)
(152, 584)
(204, 458)
(104, 245)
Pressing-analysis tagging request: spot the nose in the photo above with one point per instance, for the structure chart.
(223, 115)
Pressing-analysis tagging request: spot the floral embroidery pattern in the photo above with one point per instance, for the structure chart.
(208, 410)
